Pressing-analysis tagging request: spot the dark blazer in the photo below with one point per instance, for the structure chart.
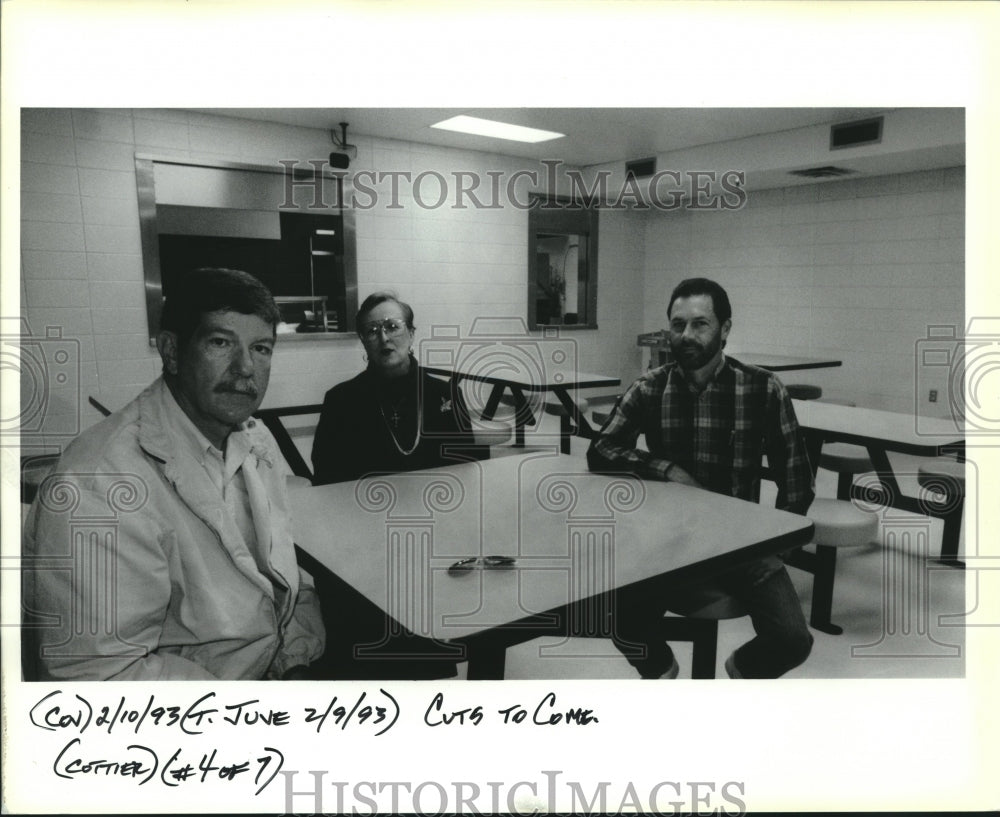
(352, 438)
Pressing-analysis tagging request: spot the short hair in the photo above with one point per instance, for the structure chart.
(210, 289)
(377, 298)
(703, 286)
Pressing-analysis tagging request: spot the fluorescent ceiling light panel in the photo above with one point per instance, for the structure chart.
(496, 130)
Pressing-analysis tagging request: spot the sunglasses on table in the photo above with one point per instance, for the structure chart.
(390, 326)
(463, 566)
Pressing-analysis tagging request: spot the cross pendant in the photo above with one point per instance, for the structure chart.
(395, 419)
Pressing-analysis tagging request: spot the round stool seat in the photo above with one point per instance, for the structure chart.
(555, 407)
(845, 458)
(943, 474)
(837, 401)
(491, 432)
(841, 524)
(707, 603)
(803, 391)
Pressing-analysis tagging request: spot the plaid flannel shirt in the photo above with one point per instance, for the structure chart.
(718, 435)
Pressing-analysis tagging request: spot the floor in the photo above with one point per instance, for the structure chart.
(909, 626)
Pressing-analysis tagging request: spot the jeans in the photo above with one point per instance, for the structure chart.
(782, 640)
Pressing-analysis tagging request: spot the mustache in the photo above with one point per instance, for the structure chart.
(235, 387)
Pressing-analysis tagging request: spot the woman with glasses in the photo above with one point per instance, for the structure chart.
(393, 416)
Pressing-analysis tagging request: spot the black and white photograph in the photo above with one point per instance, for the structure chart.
(515, 440)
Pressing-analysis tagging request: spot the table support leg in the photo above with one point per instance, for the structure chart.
(949, 538)
(822, 601)
(486, 662)
(493, 402)
(703, 651)
(522, 416)
(822, 564)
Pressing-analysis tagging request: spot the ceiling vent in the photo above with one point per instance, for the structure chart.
(825, 172)
(852, 134)
(640, 168)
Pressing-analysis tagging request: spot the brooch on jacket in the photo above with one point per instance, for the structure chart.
(445, 405)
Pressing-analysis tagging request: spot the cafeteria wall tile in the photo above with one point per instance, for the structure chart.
(109, 184)
(758, 199)
(922, 181)
(160, 134)
(952, 225)
(105, 155)
(44, 178)
(57, 121)
(390, 228)
(125, 372)
(47, 148)
(877, 186)
(921, 275)
(952, 251)
(111, 239)
(801, 194)
(123, 347)
(61, 265)
(870, 208)
(51, 207)
(125, 320)
(160, 115)
(114, 267)
(97, 125)
(832, 191)
(392, 250)
(115, 212)
(840, 210)
(210, 139)
(56, 293)
(918, 204)
(41, 235)
(117, 294)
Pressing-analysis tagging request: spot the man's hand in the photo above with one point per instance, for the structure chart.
(677, 474)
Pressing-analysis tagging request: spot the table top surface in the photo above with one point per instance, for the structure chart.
(574, 534)
(527, 377)
(890, 430)
(784, 363)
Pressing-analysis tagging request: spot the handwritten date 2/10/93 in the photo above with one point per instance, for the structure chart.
(61, 711)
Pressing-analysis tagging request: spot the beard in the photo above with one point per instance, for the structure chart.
(692, 355)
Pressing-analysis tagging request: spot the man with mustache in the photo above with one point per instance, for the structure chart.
(707, 420)
(161, 544)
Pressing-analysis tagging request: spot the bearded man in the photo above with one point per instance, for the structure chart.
(708, 420)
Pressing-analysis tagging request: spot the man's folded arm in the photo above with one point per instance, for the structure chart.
(614, 449)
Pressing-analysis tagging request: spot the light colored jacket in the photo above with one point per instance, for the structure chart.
(136, 570)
